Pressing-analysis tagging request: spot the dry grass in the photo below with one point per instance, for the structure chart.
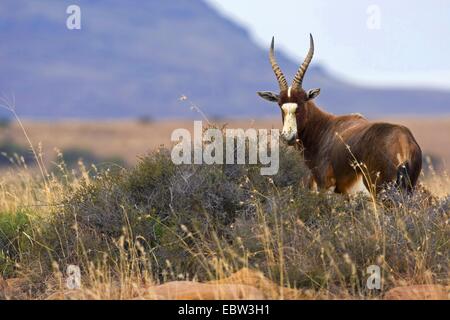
(126, 232)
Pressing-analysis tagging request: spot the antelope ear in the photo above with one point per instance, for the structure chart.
(269, 96)
(313, 93)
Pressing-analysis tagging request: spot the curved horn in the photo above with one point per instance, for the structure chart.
(276, 69)
(298, 79)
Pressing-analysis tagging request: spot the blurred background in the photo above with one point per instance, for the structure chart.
(111, 90)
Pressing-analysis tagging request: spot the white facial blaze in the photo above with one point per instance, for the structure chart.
(290, 121)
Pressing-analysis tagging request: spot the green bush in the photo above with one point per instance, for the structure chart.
(325, 236)
(157, 197)
(14, 233)
(191, 216)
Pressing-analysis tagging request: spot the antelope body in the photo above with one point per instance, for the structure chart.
(347, 154)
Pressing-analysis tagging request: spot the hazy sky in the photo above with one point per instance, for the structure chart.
(381, 42)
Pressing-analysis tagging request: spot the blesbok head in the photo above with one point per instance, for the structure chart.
(291, 99)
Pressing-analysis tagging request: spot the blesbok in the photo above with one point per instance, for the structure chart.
(347, 154)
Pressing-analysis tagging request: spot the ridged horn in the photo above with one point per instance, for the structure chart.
(298, 79)
(276, 69)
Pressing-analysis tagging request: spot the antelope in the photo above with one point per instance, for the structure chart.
(346, 154)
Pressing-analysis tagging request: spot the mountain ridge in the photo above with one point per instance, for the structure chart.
(136, 59)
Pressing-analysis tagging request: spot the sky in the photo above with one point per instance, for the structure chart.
(378, 43)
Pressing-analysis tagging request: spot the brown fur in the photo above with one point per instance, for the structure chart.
(342, 151)
(332, 143)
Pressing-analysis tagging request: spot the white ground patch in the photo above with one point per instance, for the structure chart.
(358, 187)
(290, 121)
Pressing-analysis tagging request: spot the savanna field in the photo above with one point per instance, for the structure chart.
(110, 201)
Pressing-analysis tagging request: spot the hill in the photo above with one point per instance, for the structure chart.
(135, 58)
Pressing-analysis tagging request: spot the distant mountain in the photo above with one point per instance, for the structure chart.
(136, 58)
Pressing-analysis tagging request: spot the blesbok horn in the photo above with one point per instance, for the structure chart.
(276, 69)
(332, 144)
(298, 79)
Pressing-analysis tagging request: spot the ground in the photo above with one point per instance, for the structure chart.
(130, 138)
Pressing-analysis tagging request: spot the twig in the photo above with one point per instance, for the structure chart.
(11, 107)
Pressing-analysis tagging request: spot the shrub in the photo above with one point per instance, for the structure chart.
(5, 122)
(72, 157)
(14, 228)
(156, 197)
(11, 153)
(205, 221)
